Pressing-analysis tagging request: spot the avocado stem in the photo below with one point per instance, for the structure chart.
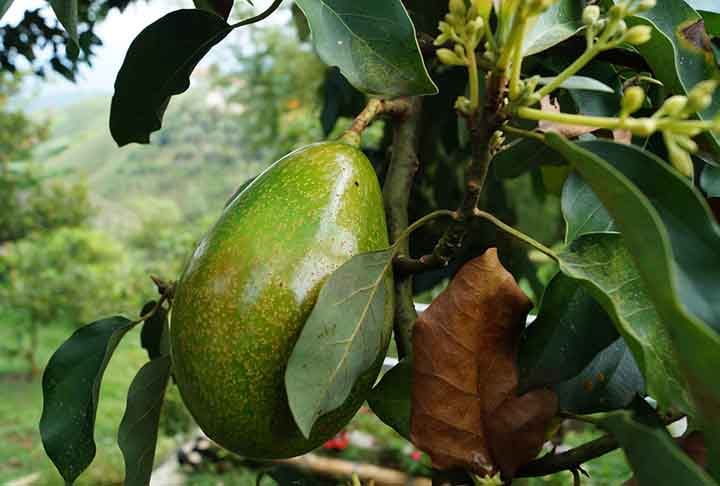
(375, 108)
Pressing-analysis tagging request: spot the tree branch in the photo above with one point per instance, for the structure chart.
(396, 193)
(483, 125)
(569, 460)
(375, 108)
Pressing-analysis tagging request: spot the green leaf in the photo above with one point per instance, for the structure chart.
(558, 23)
(675, 243)
(66, 12)
(583, 211)
(391, 398)
(679, 52)
(579, 83)
(158, 65)
(570, 330)
(710, 181)
(154, 337)
(218, 7)
(611, 381)
(345, 335)
(522, 155)
(138, 431)
(71, 386)
(652, 453)
(4, 6)
(372, 42)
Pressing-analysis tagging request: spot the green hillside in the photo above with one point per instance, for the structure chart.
(179, 167)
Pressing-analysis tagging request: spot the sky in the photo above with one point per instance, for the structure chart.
(117, 32)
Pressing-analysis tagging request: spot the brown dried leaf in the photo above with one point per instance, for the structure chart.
(465, 412)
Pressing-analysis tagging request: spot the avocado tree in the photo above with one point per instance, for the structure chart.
(276, 329)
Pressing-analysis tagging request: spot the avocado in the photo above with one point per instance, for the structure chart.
(251, 284)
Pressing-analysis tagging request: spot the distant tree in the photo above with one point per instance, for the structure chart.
(28, 202)
(39, 32)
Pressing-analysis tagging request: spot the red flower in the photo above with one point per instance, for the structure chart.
(338, 443)
(415, 455)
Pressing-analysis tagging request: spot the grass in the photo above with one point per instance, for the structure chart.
(21, 452)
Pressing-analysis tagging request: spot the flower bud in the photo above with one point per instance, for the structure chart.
(590, 15)
(674, 105)
(618, 11)
(463, 104)
(441, 39)
(681, 160)
(446, 56)
(638, 34)
(632, 100)
(686, 143)
(707, 87)
(457, 7)
(646, 5)
(700, 97)
(621, 28)
(698, 102)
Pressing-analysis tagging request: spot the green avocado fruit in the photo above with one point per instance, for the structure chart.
(251, 284)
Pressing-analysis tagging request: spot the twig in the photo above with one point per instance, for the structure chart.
(396, 193)
(569, 460)
(483, 125)
(375, 108)
(573, 459)
(261, 16)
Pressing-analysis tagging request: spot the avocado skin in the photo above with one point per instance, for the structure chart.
(250, 285)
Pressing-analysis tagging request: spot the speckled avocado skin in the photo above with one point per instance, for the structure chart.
(251, 284)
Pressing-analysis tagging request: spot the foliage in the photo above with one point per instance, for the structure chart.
(67, 275)
(38, 33)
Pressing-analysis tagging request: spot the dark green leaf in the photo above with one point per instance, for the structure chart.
(675, 243)
(522, 155)
(158, 65)
(583, 211)
(339, 99)
(154, 336)
(595, 103)
(67, 13)
(391, 398)
(218, 7)
(611, 381)
(4, 6)
(71, 386)
(603, 263)
(560, 22)
(345, 335)
(710, 181)
(652, 454)
(138, 432)
(570, 330)
(580, 83)
(679, 51)
(372, 42)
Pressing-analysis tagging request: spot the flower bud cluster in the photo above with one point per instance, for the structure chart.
(464, 27)
(613, 30)
(678, 133)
